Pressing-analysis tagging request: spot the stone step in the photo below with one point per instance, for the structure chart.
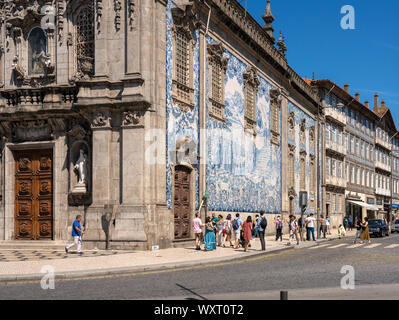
(32, 245)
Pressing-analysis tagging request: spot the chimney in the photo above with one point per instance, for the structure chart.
(366, 103)
(383, 106)
(357, 96)
(346, 86)
(376, 101)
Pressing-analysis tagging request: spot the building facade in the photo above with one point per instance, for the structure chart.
(359, 144)
(141, 108)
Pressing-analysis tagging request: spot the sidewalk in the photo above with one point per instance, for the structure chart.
(91, 264)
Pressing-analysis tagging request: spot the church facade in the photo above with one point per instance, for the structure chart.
(151, 110)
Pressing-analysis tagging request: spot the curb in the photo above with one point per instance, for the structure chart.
(4, 279)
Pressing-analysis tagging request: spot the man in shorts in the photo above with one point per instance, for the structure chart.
(197, 225)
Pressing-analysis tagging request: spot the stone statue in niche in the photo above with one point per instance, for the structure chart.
(39, 61)
(81, 169)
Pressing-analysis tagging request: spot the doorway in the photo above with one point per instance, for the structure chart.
(33, 194)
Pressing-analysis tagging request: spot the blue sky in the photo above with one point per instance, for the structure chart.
(366, 58)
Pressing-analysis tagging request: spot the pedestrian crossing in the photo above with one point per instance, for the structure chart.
(355, 246)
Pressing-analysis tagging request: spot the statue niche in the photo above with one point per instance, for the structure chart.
(80, 169)
(38, 59)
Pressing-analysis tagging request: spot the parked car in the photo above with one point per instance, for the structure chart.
(395, 226)
(378, 227)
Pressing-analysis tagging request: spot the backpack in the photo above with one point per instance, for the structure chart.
(235, 224)
(263, 223)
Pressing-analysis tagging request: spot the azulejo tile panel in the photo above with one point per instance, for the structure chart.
(243, 171)
(310, 122)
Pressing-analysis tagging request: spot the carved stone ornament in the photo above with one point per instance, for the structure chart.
(131, 12)
(99, 14)
(132, 118)
(291, 192)
(186, 15)
(60, 20)
(117, 9)
(77, 133)
(100, 119)
(27, 130)
(291, 148)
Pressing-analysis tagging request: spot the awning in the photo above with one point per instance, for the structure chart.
(395, 206)
(365, 205)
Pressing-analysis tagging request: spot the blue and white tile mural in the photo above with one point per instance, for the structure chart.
(243, 171)
(300, 146)
(179, 124)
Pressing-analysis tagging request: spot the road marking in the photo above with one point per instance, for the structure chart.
(375, 245)
(338, 246)
(318, 247)
(392, 246)
(354, 246)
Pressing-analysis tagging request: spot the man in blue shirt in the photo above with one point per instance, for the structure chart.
(262, 230)
(77, 232)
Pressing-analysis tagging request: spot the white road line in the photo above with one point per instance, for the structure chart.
(392, 246)
(375, 245)
(355, 246)
(338, 246)
(318, 247)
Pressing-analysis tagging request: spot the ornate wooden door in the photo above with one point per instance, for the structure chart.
(33, 195)
(182, 202)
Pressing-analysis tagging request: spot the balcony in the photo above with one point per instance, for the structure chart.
(335, 115)
(335, 181)
(336, 147)
(383, 192)
(383, 143)
(383, 166)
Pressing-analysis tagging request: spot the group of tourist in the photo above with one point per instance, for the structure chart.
(219, 231)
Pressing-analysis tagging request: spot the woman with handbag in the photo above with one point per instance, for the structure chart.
(209, 239)
(365, 236)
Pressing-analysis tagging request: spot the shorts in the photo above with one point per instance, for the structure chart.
(198, 236)
(237, 234)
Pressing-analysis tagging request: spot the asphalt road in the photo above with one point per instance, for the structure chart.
(306, 273)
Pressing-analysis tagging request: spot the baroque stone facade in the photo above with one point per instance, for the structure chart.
(144, 106)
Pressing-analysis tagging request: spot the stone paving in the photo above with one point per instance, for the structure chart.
(25, 262)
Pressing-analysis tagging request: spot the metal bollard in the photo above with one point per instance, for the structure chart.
(283, 295)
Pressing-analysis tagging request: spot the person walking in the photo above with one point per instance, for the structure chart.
(301, 228)
(310, 227)
(77, 232)
(294, 230)
(350, 220)
(345, 223)
(237, 224)
(209, 239)
(197, 225)
(359, 230)
(365, 236)
(228, 227)
(323, 226)
(341, 231)
(255, 228)
(279, 228)
(247, 228)
(220, 230)
(328, 225)
(262, 225)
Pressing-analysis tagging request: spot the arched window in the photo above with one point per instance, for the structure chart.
(37, 51)
(85, 40)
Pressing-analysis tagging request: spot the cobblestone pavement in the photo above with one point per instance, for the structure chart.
(37, 255)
